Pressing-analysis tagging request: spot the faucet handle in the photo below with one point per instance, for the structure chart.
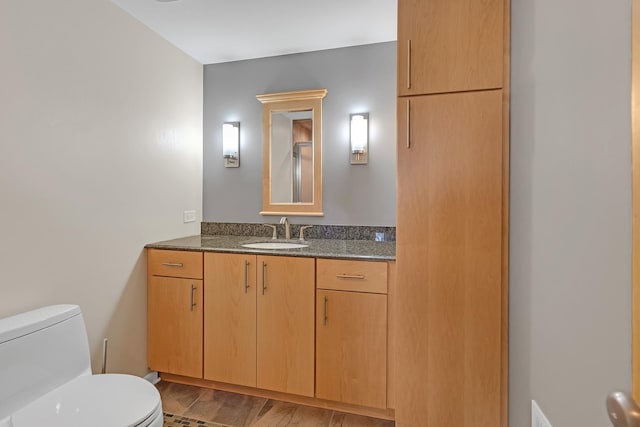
(302, 231)
(275, 232)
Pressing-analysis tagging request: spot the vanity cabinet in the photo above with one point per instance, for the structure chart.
(285, 324)
(449, 45)
(259, 322)
(230, 318)
(312, 331)
(351, 332)
(174, 312)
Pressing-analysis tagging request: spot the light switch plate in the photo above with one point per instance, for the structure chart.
(189, 216)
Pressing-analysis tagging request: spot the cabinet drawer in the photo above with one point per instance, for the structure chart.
(185, 264)
(346, 275)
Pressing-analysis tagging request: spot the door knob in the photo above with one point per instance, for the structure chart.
(623, 410)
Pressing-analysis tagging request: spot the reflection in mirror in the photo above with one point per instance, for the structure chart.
(292, 153)
(291, 156)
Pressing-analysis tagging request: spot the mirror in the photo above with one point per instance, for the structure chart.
(292, 152)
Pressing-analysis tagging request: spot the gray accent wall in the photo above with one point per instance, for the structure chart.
(570, 254)
(358, 79)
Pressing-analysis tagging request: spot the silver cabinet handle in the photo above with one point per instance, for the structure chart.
(193, 300)
(350, 276)
(264, 275)
(326, 300)
(408, 64)
(173, 264)
(408, 123)
(246, 276)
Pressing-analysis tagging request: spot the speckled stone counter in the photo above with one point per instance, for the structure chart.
(318, 248)
(318, 231)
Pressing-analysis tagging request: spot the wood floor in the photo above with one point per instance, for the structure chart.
(238, 410)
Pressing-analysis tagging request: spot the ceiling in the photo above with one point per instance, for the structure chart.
(213, 31)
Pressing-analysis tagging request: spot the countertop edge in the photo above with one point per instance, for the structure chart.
(190, 244)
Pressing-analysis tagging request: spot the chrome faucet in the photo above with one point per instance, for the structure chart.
(287, 230)
(275, 230)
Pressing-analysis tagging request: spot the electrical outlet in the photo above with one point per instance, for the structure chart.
(189, 216)
(379, 236)
(538, 418)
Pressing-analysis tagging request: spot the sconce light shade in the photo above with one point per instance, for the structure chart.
(231, 144)
(359, 138)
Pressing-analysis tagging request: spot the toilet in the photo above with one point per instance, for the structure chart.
(46, 379)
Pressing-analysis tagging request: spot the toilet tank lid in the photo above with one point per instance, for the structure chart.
(16, 326)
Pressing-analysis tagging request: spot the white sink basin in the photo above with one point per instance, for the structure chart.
(274, 245)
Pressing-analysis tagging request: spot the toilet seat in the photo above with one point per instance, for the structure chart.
(107, 400)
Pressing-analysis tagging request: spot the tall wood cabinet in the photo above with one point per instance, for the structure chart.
(452, 213)
(449, 45)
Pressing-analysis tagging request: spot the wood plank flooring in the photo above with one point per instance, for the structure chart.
(238, 410)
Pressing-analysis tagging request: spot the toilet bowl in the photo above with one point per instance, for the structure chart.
(45, 377)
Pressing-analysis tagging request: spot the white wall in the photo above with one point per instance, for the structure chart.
(570, 265)
(100, 152)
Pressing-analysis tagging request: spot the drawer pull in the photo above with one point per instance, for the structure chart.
(173, 264)
(350, 276)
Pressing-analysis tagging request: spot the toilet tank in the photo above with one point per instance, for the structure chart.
(39, 351)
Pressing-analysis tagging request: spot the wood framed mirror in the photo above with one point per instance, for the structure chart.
(292, 152)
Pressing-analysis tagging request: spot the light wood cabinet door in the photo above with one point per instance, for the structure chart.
(174, 325)
(230, 318)
(351, 347)
(448, 249)
(449, 45)
(286, 291)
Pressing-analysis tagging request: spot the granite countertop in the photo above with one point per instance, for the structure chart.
(318, 248)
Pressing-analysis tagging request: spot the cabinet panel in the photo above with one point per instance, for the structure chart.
(286, 324)
(449, 260)
(351, 347)
(349, 275)
(230, 318)
(449, 45)
(174, 325)
(162, 262)
(391, 337)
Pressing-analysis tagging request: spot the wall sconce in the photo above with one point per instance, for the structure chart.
(359, 138)
(231, 144)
